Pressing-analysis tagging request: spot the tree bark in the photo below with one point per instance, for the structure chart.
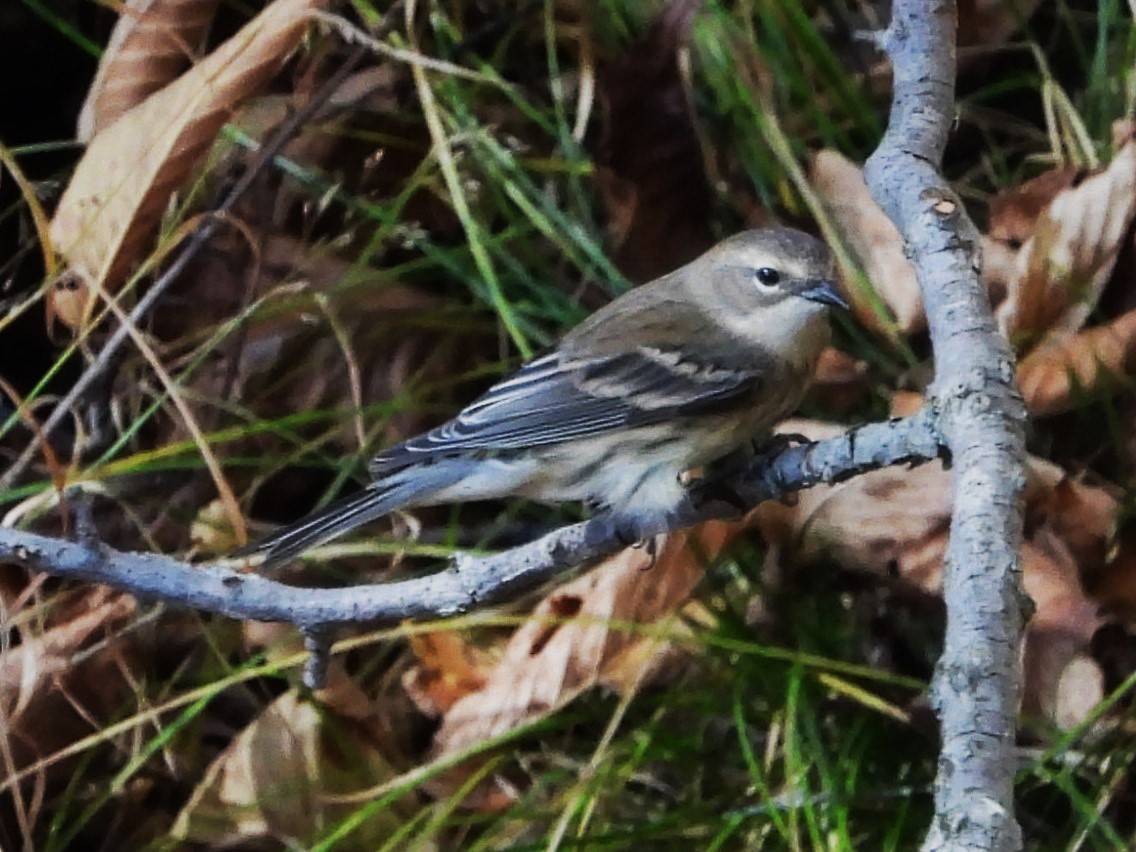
(976, 685)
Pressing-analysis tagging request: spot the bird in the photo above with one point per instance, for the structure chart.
(675, 374)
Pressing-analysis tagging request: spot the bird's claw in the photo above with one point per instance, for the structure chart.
(779, 442)
(628, 532)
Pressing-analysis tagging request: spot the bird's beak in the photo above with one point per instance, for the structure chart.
(825, 292)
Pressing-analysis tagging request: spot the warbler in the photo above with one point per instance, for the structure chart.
(672, 375)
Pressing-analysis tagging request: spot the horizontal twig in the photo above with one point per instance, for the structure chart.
(469, 581)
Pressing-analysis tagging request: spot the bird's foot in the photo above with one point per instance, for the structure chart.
(629, 532)
(738, 461)
(778, 443)
(772, 448)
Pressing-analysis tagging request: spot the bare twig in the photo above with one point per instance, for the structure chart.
(976, 686)
(471, 580)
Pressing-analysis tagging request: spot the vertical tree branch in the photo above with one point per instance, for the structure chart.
(975, 690)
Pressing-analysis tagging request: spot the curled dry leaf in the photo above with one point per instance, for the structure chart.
(895, 522)
(1114, 585)
(279, 778)
(53, 689)
(891, 521)
(210, 531)
(998, 261)
(570, 640)
(1080, 688)
(129, 171)
(1063, 267)
(153, 42)
(448, 669)
(1057, 375)
(1014, 212)
(874, 241)
(580, 636)
(1083, 517)
(1058, 634)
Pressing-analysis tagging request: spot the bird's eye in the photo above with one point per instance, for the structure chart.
(767, 277)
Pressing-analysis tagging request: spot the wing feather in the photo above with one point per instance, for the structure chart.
(557, 398)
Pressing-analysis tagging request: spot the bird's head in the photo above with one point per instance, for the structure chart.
(763, 267)
(772, 286)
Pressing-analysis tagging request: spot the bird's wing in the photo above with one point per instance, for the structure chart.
(557, 398)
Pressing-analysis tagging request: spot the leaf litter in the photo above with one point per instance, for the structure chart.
(309, 343)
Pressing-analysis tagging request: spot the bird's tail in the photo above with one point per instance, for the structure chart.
(340, 517)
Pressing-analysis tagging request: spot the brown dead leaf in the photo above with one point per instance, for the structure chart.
(874, 241)
(1114, 585)
(1064, 265)
(1059, 632)
(129, 171)
(1080, 688)
(653, 661)
(1062, 371)
(280, 776)
(575, 640)
(1083, 517)
(153, 42)
(895, 522)
(999, 260)
(1014, 212)
(891, 521)
(449, 668)
(53, 689)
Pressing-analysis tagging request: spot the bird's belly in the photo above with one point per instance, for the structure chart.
(618, 470)
(634, 471)
(631, 472)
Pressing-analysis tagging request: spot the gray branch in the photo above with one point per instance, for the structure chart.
(974, 411)
(471, 580)
(976, 686)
